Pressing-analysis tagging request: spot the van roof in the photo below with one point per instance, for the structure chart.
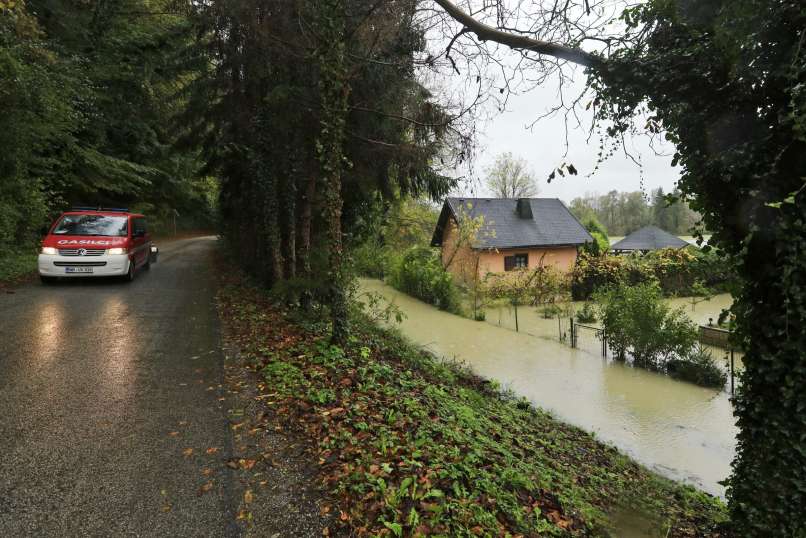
(105, 212)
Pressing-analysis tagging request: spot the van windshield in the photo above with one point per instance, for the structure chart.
(105, 225)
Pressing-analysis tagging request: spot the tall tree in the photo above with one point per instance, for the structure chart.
(283, 115)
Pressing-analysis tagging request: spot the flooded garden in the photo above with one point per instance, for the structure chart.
(679, 429)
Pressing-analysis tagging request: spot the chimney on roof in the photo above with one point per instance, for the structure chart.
(524, 208)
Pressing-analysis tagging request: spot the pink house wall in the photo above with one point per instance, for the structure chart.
(563, 258)
(462, 261)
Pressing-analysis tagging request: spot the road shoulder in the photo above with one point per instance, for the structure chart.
(276, 486)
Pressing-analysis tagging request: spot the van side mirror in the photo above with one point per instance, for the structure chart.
(139, 233)
(43, 231)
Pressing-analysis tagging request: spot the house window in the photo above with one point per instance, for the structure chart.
(517, 261)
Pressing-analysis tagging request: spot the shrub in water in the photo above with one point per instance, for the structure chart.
(636, 319)
(698, 367)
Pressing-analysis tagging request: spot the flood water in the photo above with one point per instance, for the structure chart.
(530, 320)
(680, 430)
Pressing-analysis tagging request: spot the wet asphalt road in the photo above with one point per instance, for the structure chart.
(103, 385)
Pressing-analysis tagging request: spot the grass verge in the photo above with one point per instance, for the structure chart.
(17, 265)
(411, 446)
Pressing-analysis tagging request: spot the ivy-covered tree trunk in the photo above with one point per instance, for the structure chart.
(334, 90)
(768, 488)
(304, 235)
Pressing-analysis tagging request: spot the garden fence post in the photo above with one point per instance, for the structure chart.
(573, 333)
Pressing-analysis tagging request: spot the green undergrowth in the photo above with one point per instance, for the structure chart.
(16, 264)
(411, 446)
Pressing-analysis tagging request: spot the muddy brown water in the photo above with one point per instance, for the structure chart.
(531, 321)
(678, 429)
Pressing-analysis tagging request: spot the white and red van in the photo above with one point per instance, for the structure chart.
(88, 242)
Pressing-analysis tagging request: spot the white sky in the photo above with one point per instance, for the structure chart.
(543, 145)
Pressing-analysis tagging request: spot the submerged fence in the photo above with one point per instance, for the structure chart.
(588, 337)
(578, 330)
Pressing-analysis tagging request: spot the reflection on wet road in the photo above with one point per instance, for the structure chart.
(681, 430)
(95, 377)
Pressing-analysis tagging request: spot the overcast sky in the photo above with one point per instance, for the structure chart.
(543, 146)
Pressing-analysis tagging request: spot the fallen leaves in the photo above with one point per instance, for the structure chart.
(244, 515)
(212, 450)
(173, 434)
(205, 488)
(248, 496)
(187, 452)
(241, 463)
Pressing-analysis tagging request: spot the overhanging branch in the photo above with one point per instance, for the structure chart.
(486, 32)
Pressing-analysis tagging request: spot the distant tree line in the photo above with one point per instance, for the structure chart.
(622, 213)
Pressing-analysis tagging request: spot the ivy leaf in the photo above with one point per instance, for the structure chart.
(396, 528)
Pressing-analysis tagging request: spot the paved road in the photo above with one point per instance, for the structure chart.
(94, 378)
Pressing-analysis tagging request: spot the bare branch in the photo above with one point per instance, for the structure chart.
(486, 32)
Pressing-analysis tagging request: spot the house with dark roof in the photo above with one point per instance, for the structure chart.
(646, 239)
(508, 234)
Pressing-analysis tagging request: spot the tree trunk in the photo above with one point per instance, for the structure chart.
(290, 224)
(334, 90)
(304, 237)
(766, 490)
(271, 225)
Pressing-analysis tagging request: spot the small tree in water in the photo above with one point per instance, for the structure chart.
(636, 320)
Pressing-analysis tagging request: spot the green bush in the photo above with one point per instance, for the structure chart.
(677, 272)
(16, 263)
(419, 273)
(636, 320)
(697, 367)
(369, 259)
(551, 311)
(587, 314)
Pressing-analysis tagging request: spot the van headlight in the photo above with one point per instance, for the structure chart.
(49, 250)
(116, 250)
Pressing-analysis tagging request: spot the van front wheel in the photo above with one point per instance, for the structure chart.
(130, 274)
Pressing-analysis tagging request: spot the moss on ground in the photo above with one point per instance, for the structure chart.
(412, 446)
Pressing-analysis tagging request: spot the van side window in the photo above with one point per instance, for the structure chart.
(139, 225)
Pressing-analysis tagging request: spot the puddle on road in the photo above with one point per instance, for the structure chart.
(682, 431)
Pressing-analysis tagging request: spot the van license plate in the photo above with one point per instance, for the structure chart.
(78, 269)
